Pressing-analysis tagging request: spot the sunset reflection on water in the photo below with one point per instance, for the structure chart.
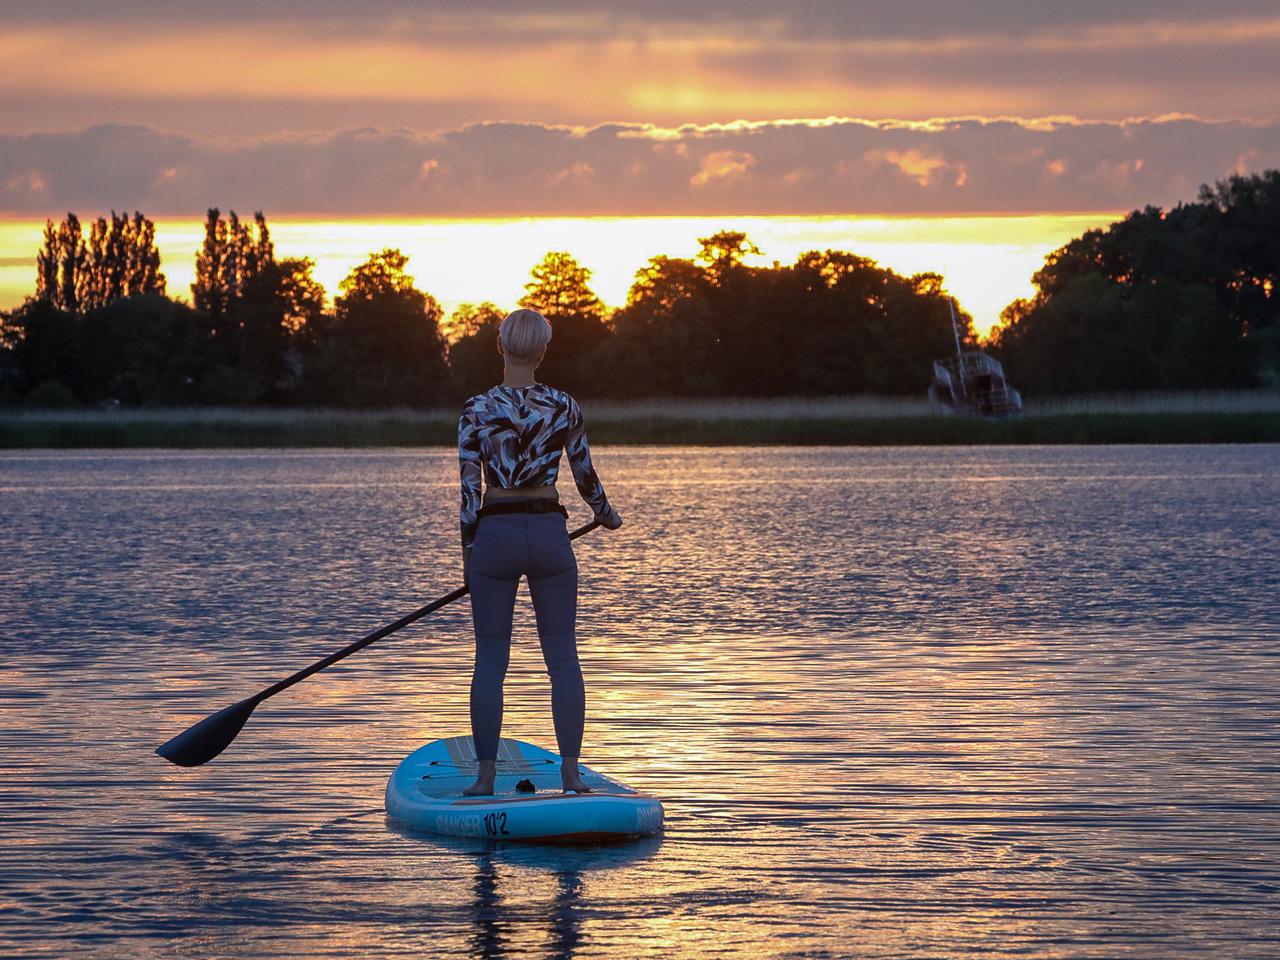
(897, 702)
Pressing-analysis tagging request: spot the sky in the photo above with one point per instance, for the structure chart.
(789, 116)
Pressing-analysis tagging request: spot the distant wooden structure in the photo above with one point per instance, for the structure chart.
(973, 383)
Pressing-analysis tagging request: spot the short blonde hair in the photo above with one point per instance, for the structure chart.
(523, 335)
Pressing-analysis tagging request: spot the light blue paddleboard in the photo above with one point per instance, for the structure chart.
(425, 793)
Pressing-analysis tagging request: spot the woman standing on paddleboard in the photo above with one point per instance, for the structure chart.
(512, 435)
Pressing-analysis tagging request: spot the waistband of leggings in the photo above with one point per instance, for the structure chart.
(521, 506)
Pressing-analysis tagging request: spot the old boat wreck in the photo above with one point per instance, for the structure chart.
(973, 383)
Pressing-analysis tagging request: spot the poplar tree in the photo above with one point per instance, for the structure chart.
(61, 263)
(48, 265)
(236, 269)
(144, 258)
(209, 291)
(123, 260)
(233, 253)
(72, 261)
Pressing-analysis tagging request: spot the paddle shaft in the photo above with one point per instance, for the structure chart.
(386, 631)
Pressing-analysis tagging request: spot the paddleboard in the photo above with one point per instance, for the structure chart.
(425, 793)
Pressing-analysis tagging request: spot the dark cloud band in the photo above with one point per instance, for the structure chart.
(908, 19)
(810, 167)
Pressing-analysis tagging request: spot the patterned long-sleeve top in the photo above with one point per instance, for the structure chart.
(514, 435)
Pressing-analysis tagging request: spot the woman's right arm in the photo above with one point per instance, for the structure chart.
(584, 473)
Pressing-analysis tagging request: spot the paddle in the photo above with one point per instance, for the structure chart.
(203, 741)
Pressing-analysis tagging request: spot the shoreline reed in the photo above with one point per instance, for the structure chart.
(1236, 417)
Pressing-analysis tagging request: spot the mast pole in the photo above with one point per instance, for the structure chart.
(955, 332)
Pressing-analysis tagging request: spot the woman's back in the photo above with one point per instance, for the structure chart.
(518, 433)
(513, 437)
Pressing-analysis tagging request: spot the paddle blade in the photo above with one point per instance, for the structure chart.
(203, 741)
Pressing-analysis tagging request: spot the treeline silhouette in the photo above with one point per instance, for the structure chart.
(1182, 299)
(1178, 299)
(119, 259)
(101, 329)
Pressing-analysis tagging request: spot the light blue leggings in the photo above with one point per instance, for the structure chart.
(535, 545)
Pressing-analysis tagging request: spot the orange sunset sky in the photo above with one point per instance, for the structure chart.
(966, 137)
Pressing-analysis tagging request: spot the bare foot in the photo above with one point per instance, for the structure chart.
(485, 775)
(571, 778)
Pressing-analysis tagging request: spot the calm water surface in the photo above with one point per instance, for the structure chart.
(898, 703)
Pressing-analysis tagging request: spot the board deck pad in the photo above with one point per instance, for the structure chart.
(425, 793)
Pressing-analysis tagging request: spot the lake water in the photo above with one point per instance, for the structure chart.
(897, 702)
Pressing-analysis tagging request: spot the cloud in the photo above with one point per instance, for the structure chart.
(809, 167)
(28, 183)
(577, 171)
(909, 19)
(250, 68)
(722, 165)
(913, 164)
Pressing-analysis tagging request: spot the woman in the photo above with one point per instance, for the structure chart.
(513, 435)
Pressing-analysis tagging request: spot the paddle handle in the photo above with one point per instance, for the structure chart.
(386, 631)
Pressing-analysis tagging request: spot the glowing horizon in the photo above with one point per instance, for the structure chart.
(987, 261)
(970, 139)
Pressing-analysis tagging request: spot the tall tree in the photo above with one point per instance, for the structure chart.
(144, 349)
(722, 251)
(228, 265)
(382, 346)
(834, 322)
(231, 255)
(560, 290)
(663, 342)
(1163, 300)
(470, 319)
(42, 345)
(235, 266)
(278, 314)
(472, 335)
(560, 287)
(60, 264)
(144, 258)
(209, 292)
(120, 259)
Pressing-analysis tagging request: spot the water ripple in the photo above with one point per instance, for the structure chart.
(898, 703)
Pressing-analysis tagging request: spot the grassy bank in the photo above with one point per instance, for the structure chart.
(1174, 418)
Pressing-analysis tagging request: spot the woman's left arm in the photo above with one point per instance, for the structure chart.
(470, 474)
